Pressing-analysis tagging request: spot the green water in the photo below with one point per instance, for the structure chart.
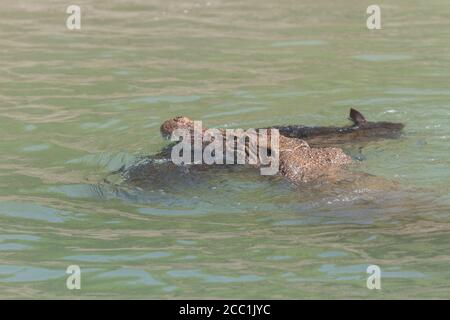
(77, 105)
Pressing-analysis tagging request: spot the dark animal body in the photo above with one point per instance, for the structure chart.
(361, 131)
(307, 154)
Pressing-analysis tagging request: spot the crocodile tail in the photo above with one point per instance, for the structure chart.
(357, 118)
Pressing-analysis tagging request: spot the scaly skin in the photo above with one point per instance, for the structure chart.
(361, 131)
(299, 162)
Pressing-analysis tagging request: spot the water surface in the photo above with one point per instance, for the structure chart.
(77, 105)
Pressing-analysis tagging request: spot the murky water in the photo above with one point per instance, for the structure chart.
(77, 105)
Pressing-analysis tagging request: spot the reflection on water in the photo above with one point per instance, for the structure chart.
(382, 57)
(32, 211)
(78, 108)
(12, 273)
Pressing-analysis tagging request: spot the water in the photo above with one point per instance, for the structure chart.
(77, 105)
